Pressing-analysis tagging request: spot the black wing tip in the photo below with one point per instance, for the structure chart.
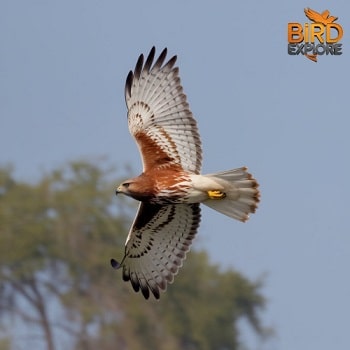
(146, 292)
(164, 52)
(156, 294)
(162, 55)
(172, 61)
(140, 66)
(128, 84)
(152, 51)
(161, 58)
(150, 59)
(115, 264)
(145, 289)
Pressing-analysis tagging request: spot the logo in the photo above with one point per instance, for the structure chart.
(318, 38)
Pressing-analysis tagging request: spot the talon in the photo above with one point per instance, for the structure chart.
(216, 194)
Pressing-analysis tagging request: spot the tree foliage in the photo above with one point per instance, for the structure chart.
(56, 239)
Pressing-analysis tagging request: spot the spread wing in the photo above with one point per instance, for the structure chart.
(157, 244)
(159, 117)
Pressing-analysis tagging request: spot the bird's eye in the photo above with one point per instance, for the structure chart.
(126, 184)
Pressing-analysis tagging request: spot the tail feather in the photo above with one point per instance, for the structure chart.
(242, 194)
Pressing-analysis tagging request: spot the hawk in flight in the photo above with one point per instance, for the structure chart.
(170, 188)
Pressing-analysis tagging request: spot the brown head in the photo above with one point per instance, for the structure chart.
(138, 188)
(125, 187)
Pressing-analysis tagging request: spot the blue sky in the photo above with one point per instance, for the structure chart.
(63, 66)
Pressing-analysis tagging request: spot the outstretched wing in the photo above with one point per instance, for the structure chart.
(159, 117)
(157, 244)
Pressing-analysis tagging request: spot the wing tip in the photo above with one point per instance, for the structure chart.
(128, 84)
(115, 264)
(138, 67)
(150, 59)
(147, 66)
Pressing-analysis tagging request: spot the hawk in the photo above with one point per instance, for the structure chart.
(170, 188)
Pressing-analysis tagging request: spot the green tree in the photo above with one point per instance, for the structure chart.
(56, 239)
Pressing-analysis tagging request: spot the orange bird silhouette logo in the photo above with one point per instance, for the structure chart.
(316, 17)
(320, 37)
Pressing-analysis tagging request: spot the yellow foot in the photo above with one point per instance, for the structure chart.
(216, 194)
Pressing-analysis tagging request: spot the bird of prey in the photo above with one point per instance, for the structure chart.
(170, 188)
(316, 17)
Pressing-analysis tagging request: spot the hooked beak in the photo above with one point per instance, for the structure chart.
(118, 190)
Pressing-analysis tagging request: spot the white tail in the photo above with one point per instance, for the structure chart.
(241, 193)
